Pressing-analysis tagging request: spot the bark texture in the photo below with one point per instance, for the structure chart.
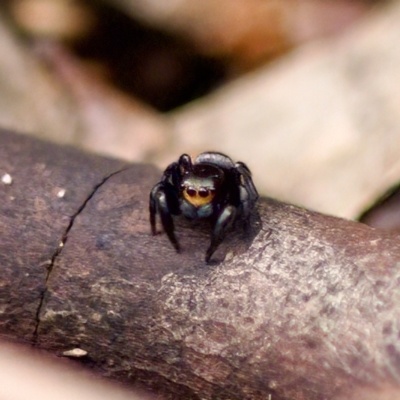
(304, 306)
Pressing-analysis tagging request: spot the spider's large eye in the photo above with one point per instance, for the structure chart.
(204, 192)
(191, 192)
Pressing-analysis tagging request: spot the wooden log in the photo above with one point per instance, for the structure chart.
(304, 306)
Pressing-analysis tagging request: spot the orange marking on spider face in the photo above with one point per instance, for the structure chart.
(199, 197)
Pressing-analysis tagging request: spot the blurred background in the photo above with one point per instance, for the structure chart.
(303, 91)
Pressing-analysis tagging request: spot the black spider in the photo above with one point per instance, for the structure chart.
(212, 187)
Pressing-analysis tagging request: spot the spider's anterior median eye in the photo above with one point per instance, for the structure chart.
(204, 192)
(191, 192)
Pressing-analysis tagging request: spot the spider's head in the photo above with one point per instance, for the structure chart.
(200, 184)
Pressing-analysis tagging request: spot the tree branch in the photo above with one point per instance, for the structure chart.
(305, 306)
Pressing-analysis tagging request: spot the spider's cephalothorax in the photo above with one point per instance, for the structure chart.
(212, 187)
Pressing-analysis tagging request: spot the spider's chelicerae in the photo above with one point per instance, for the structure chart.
(212, 187)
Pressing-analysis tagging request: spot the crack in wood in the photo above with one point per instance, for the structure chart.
(59, 249)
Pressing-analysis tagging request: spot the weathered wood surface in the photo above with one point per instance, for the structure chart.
(306, 307)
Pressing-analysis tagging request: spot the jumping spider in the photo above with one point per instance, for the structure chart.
(212, 187)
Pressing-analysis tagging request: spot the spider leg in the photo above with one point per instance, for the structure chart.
(153, 209)
(248, 192)
(164, 201)
(246, 180)
(185, 163)
(223, 224)
(172, 175)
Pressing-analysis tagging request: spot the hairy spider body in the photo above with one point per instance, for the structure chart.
(212, 187)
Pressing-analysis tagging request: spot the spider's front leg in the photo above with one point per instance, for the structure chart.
(224, 223)
(163, 200)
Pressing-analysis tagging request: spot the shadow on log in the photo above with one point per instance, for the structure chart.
(310, 309)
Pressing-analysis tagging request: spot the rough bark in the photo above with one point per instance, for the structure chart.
(304, 306)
